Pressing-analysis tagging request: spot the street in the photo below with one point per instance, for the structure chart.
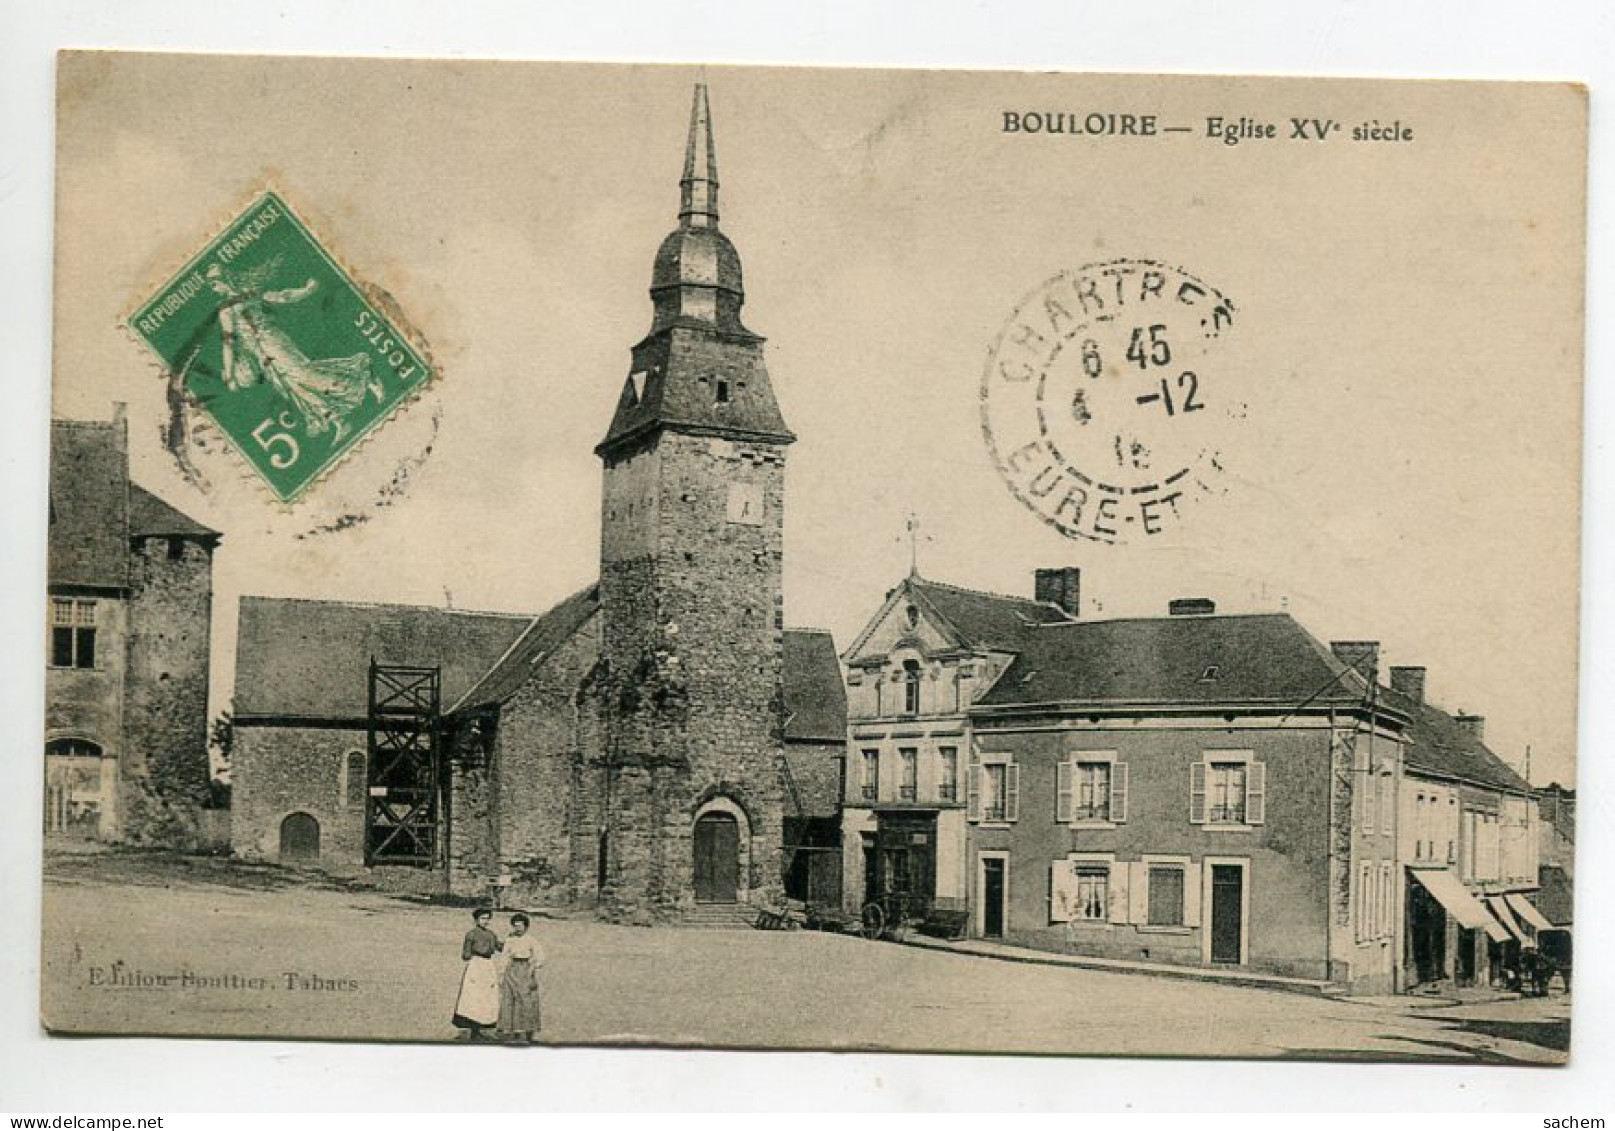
(163, 945)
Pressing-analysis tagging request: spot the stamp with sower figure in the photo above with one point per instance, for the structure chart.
(1102, 403)
(270, 337)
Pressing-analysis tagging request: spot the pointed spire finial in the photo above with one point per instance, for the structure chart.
(698, 189)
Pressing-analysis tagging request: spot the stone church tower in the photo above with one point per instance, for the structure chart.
(686, 778)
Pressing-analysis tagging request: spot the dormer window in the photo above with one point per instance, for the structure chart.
(1209, 675)
(913, 615)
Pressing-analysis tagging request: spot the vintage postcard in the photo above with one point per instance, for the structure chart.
(813, 559)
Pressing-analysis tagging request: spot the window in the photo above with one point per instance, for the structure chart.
(871, 777)
(908, 787)
(995, 802)
(995, 787)
(1387, 799)
(947, 782)
(721, 392)
(911, 687)
(356, 784)
(72, 633)
(1093, 894)
(1228, 789)
(1093, 791)
(1166, 895)
(1225, 793)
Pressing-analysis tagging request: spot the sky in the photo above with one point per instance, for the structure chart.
(1406, 355)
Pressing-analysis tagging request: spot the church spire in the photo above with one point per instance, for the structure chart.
(698, 190)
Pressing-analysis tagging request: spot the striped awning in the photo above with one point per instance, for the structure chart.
(1450, 892)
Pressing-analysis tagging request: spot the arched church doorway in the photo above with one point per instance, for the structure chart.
(717, 858)
(299, 839)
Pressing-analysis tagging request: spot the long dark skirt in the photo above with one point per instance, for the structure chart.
(518, 998)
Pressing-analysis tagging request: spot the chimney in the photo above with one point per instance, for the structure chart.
(1472, 725)
(1360, 655)
(1409, 681)
(1191, 607)
(1062, 587)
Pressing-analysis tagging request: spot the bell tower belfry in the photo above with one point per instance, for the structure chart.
(687, 784)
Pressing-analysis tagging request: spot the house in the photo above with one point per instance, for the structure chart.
(1469, 845)
(1180, 789)
(648, 746)
(130, 587)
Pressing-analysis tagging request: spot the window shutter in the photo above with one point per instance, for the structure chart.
(1191, 895)
(1256, 794)
(1197, 793)
(973, 793)
(1118, 793)
(1012, 792)
(1118, 892)
(1062, 891)
(1062, 792)
(1138, 892)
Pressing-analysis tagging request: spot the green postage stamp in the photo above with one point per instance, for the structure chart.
(273, 340)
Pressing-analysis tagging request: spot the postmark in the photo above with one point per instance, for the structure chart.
(1103, 403)
(270, 337)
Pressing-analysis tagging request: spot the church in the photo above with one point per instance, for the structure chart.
(657, 744)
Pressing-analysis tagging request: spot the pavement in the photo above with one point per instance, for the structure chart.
(154, 945)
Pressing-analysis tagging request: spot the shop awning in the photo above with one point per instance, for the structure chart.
(1499, 908)
(1526, 910)
(1450, 892)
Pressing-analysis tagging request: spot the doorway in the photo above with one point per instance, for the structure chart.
(1226, 934)
(299, 839)
(994, 889)
(717, 859)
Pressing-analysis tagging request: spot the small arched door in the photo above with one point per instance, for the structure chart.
(717, 859)
(299, 839)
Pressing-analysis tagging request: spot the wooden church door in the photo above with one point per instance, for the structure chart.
(717, 859)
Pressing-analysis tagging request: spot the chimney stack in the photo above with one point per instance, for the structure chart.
(1472, 725)
(1360, 655)
(1191, 607)
(1062, 587)
(1409, 681)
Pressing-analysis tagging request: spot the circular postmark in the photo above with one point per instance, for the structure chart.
(1103, 404)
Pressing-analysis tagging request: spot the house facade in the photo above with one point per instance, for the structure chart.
(1188, 789)
(130, 589)
(1469, 848)
(651, 745)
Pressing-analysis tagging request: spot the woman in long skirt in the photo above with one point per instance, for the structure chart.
(518, 986)
(478, 1004)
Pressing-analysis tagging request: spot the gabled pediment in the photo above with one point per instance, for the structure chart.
(906, 622)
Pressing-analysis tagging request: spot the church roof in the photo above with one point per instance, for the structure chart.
(543, 635)
(815, 694)
(1266, 659)
(985, 620)
(311, 659)
(89, 504)
(1438, 745)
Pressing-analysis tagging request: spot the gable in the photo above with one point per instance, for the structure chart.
(89, 504)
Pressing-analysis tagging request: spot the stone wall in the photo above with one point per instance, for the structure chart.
(165, 765)
(276, 771)
(89, 704)
(692, 639)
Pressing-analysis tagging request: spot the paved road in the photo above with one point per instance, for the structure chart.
(363, 965)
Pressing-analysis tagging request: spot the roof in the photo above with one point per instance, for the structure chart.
(89, 503)
(1555, 899)
(538, 640)
(1259, 658)
(1438, 745)
(150, 515)
(815, 695)
(982, 619)
(311, 659)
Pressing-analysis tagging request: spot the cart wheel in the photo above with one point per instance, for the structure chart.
(872, 921)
